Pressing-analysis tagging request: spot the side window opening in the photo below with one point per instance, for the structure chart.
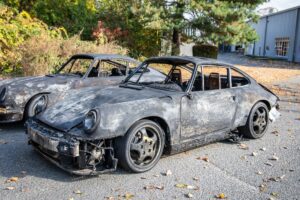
(238, 79)
(215, 77)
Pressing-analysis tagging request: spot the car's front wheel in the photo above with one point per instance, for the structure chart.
(141, 148)
(257, 123)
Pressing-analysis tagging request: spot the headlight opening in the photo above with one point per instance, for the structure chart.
(91, 121)
(41, 104)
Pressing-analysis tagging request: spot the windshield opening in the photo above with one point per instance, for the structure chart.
(163, 76)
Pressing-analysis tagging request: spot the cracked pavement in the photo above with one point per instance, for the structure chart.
(230, 170)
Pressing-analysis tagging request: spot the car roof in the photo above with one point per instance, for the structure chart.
(104, 57)
(177, 60)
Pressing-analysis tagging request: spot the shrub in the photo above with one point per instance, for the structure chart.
(15, 28)
(207, 51)
(43, 54)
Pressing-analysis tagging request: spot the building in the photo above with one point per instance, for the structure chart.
(279, 35)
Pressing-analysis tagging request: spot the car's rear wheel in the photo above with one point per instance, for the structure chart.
(141, 148)
(257, 123)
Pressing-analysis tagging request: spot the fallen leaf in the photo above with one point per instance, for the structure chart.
(190, 187)
(109, 198)
(168, 173)
(25, 189)
(275, 158)
(282, 177)
(205, 159)
(262, 188)
(156, 175)
(12, 179)
(128, 196)
(271, 198)
(285, 147)
(254, 154)
(189, 195)
(274, 194)
(243, 146)
(71, 198)
(259, 173)
(195, 178)
(221, 196)
(273, 179)
(269, 164)
(263, 149)
(181, 185)
(143, 178)
(275, 133)
(150, 187)
(77, 192)
(10, 188)
(243, 157)
(291, 170)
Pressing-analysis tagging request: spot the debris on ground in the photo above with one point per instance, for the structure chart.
(10, 188)
(167, 173)
(274, 157)
(254, 154)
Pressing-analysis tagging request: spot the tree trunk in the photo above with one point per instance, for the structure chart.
(175, 42)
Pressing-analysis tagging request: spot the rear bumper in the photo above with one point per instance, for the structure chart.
(10, 115)
(68, 153)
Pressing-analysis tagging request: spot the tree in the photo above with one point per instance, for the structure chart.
(217, 20)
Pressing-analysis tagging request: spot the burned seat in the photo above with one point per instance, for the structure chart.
(116, 72)
(214, 81)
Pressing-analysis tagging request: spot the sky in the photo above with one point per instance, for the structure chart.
(281, 4)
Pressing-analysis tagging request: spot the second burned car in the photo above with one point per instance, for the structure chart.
(18, 95)
(190, 102)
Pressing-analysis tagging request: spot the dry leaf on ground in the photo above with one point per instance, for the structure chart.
(77, 192)
(128, 196)
(12, 179)
(220, 196)
(254, 154)
(189, 195)
(190, 187)
(243, 146)
(275, 158)
(150, 187)
(10, 188)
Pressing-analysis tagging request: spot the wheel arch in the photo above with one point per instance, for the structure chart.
(164, 125)
(268, 104)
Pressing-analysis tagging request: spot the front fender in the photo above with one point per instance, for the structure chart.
(116, 119)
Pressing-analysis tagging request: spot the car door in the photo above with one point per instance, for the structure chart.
(211, 106)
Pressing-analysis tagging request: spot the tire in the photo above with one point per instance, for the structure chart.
(142, 146)
(257, 123)
(30, 108)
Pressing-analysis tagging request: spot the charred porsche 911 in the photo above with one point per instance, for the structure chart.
(190, 102)
(18, 95)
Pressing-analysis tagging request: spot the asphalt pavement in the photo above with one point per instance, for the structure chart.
(267, 168)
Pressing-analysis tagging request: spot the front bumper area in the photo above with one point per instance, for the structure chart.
(10, 115)
(72, 155)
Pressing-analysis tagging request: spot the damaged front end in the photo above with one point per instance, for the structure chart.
(76, 156)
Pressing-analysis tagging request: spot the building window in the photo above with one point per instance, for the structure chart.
(282, 45)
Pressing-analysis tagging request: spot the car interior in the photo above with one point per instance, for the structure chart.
(218, 80)
(107, 68)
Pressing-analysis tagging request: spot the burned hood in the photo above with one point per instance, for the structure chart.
(70, 110)
(19, 90)
(37, 81)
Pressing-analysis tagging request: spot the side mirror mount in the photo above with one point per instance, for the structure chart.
(190, 95)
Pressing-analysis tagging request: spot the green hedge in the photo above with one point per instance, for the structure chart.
(207, 51)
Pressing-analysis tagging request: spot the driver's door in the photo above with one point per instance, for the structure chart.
(210, 108)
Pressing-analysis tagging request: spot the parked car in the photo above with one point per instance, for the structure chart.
(18, 95)
(194, 101)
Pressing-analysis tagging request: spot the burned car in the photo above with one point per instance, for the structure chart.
(194, 101)
(18, 95)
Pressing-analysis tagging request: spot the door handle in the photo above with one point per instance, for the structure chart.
(233, 98)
